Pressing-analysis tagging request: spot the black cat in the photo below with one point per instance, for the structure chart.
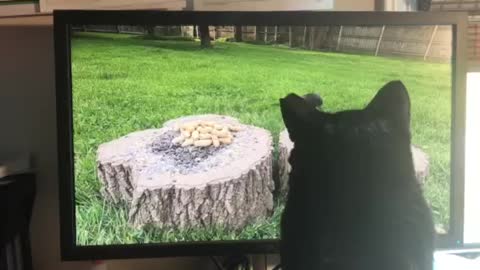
(353, 201)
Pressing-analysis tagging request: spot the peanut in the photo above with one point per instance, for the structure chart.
(205, 133)
(223, 134)
(218, 132)
(202, 143)
(235, 128)
(205, 136)
(227, 140)
(195, 134)
(191, 125)
(215, 141)
(189, 128)
(206, 130)
(187, 142)
(208, 124)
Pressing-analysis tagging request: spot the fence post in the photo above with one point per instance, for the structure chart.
(255, 32)
(276, 33)
(265, 35)
(379, 40)
(305, 37)
(339, 37)
(290, 36)
(430, 42)
(312, 37)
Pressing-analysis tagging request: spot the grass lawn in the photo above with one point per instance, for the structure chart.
(123, 83)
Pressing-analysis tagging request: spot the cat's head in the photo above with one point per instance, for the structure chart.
(386, 117)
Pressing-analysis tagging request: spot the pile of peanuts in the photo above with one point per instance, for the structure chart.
(204, 134)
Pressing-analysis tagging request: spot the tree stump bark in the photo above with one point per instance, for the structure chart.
(170, 186)
(238, 33)
(421, 163)
(285, 145)
(204, 33)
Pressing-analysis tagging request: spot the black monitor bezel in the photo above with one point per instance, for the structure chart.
(64, 19)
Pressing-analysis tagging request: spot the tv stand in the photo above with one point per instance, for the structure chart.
(233, 262)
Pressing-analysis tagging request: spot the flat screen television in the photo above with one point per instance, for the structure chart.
(170, 137)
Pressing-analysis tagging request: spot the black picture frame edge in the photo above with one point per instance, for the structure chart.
(269, 18)
(63, 19)
(63, 87)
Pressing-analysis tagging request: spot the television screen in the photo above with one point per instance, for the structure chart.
(177, 136)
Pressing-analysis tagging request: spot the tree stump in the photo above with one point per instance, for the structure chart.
(170, 186)
(421, 164)
(285, 145)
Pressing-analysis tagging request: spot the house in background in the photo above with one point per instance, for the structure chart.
(473, 9)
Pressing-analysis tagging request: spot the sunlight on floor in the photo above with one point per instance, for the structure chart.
(451, 261)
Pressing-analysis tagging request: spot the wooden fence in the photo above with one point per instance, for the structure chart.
(424, 42)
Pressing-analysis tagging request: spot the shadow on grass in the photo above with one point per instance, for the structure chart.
(189, 45)
(167, 38)
(167, 43)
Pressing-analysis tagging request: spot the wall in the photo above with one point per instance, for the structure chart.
(27, 109)
(18, 9)
(239, 5)
(263, 5)
(49, 5)
(354, 5)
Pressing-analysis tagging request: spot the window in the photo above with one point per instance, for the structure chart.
(472, 161)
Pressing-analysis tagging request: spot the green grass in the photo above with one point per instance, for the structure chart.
(122, 84)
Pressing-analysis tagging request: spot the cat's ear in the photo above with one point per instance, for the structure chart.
(314, 99)
(393, 103)
(297, 115)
